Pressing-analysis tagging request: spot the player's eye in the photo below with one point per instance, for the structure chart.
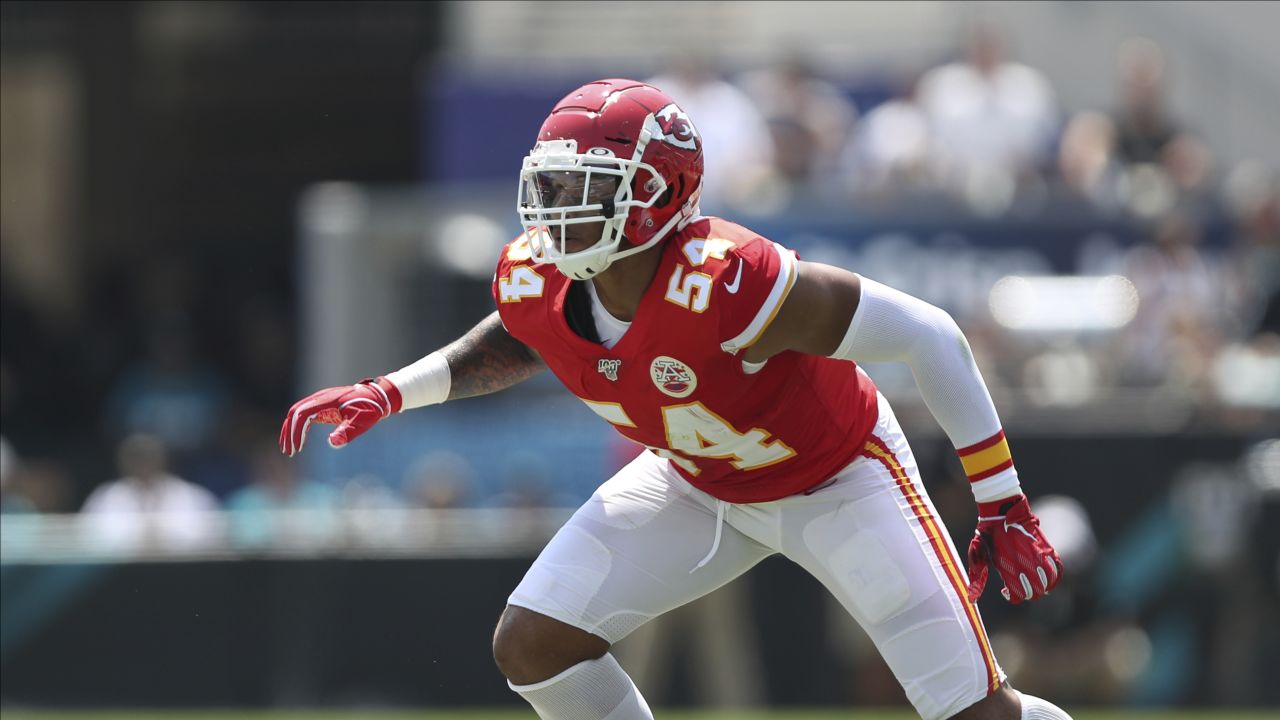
(544, 192)
(555, 189)
(602, 187)
(541, 191)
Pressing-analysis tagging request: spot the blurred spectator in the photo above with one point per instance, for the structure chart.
(1246, 373)
(148, 508)
(1168, 573)
(1176, 329)
(993, 120)
(264, 349)
(1144, 129)
(32, 486)
(809, 117)
(738, 148)
(28, 491)
(528, 481)
(224, 464)
(1087, 161)
(279, 508)
(529, 484)
(1163, 159)
(362, 500)
(1253, 264)
(790, 182)
(439, 480)
(367, 491)
(171, 393)
(890, 147)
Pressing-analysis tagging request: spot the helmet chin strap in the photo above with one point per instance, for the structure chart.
(642, 142)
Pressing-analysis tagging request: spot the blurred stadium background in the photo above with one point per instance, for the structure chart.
(210, 208)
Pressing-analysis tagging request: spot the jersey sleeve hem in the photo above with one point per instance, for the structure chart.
(772, 303)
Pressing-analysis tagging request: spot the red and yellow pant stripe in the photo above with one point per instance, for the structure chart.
(877, 450)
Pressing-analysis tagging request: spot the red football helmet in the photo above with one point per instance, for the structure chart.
(615, 152)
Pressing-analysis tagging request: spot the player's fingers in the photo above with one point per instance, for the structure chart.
(294, 431)
(338, 437)
(1054, 573)
(977, 551)
(977, 581)
(358, 418)
(319, 406)
(283, 442)
(327, 416)
(299, 437)
(287, 444)
(357, 415)
(1027, 592)
(977, 568)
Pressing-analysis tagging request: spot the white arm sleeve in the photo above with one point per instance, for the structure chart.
(891, 326)
(425, 382)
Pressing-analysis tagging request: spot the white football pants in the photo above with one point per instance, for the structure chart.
(639, 547)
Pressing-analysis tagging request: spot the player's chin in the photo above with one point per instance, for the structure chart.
(571, 247)
(579, 241)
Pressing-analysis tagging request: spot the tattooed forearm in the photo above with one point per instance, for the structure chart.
(487, 359)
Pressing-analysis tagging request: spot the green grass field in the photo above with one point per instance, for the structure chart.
(667, 715)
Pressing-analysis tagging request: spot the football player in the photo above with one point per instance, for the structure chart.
(735, 364)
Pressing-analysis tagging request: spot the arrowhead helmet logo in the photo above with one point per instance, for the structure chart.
(673, 126)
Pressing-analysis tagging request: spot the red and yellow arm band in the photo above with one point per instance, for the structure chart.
(989, 466)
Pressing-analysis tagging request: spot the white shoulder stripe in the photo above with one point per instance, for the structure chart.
(781, 286)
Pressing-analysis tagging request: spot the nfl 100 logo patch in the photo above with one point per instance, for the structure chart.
(672, 376)
(609, 368)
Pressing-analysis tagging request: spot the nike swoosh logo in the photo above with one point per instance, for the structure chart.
(1016, 526)
(733, 286)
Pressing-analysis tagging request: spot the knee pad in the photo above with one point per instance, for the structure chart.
(876, 586)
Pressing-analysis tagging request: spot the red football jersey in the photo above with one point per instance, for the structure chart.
(676, 381)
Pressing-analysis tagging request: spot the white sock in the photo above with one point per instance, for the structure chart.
(1033, 708)
(592, 690)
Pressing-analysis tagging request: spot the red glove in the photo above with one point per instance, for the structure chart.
(1009, 536)
(353, 409)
